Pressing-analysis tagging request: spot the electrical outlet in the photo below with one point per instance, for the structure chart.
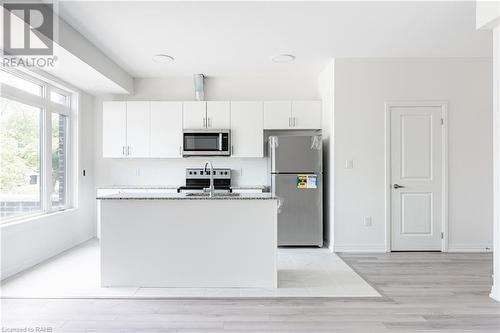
(368, 221)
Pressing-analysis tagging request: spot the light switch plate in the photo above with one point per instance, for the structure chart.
(368, 221)
(349, 164)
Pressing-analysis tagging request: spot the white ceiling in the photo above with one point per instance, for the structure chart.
(239, 38)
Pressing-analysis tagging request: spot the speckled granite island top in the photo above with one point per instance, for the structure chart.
(184, 196)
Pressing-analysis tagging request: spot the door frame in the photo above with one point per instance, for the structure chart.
(444, 167)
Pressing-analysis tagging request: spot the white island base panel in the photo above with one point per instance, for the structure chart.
(189, 243)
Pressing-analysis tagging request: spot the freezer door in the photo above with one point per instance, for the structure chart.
(291, 154)
(300, 221)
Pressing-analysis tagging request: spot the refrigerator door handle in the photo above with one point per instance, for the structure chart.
(280, 204)
(273, 140)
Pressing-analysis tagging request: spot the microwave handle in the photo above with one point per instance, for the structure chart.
(220, 141)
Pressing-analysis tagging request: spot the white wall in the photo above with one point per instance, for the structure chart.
(27, 243)
(495, 290)
(251, 171)
(326, 81)
(361, 88)
(487, 14)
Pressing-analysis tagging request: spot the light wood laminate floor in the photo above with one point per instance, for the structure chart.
(423, 292)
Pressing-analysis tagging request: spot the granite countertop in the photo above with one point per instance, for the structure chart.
(173, 187)
(184, 196)
(140, 187)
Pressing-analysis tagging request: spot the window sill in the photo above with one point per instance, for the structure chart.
(34, 217)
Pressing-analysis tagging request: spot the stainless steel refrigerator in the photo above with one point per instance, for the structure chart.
(296, 177)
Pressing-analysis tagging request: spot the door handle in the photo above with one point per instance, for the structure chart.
(204, 122)
(396, 186)
(294, 122)
(289, 121)
(123, 151)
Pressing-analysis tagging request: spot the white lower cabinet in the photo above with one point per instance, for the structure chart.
(166, 129)
(247, 129)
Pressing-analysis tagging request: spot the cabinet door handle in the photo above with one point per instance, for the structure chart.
(294, 122)
(180, 151)
(209, 122)
(123, 150)
(128, 150)
(289, 121)
(204, 122)
(232, 149)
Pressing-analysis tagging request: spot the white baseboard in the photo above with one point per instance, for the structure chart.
(470, 248)
(374, 248)
(495, 293)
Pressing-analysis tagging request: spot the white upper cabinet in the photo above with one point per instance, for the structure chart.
(277, 115)
(142, 129)
(166, 129)
(218, 115)
(247, 129)
(306, 114)
(292, 115)
(138, 120)
(114, 129)
(194, 115)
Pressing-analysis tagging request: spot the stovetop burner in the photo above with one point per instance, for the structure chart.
(198, 179)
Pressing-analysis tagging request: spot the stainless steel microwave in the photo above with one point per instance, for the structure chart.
(206, 142)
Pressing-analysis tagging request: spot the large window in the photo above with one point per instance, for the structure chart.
(34, 146)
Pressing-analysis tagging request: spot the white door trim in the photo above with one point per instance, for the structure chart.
(444, 183)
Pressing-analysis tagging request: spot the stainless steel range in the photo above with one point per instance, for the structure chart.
(198, 180)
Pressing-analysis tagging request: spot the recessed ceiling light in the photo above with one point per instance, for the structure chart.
(281, 58)
(163, 58)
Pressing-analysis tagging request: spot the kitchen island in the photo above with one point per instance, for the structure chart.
(182, 240)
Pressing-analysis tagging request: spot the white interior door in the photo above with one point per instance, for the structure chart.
(416, 178)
